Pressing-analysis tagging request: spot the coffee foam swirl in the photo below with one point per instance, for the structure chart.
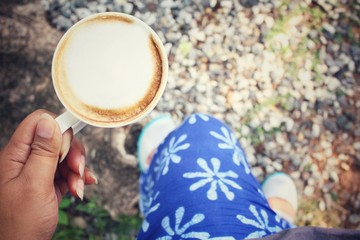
(109, 70)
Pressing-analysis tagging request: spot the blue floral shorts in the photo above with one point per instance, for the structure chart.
(199, 186)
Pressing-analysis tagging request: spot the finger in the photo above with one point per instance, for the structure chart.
(90, 177)
(63, 170)
(44, 154)
(61, 189)
(17, 151)
(76, 185)
(66, 143)
(58, 194)
(63, 186)
(76, 158)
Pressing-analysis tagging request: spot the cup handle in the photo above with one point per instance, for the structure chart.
(67, 120)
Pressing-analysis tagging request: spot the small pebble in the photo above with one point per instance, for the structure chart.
(315, 130)
(309, 191)
(322, 205)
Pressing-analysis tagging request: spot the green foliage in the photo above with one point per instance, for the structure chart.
(260, 135)
(271, 102)
(68, 233)
(185, 48)
(92, 208)
(316, 17)
(294, 54)
(98, 222)
(315, 62)
(63, 218)
(129, 226)
(66, 202)
(311, 215)
(307, 167)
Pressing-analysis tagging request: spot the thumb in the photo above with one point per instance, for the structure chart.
(45, 149)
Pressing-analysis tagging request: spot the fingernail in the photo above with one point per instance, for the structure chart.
(64, 154)
(82, 165)
(92, 175)
(80, 189)
(45, 128)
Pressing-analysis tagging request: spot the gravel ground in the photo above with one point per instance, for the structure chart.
(283, 74)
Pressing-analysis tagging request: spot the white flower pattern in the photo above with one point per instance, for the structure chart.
(229, 142)
(261, 193)
(152, 207)
(181, 232)
(222, 238)
(214, 178)
(193, 117)
(170, 154)
(280, 220)
(148, 184)
(262, 223)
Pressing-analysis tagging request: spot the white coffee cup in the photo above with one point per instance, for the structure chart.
(109, 70)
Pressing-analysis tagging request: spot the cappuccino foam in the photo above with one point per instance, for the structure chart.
(110, 69)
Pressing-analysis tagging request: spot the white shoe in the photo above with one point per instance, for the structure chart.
(151, 136)
(281, 185)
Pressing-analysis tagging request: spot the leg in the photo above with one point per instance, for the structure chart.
(200, 185)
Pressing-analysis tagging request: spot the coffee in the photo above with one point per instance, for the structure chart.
(109, 68)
